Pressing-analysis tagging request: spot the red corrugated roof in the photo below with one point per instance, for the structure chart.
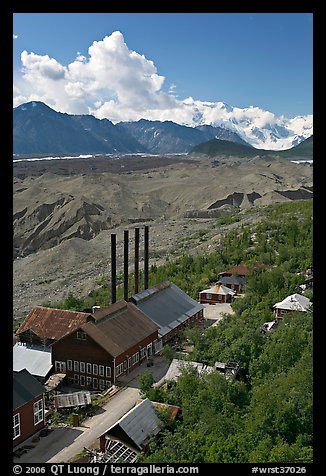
(48, 323)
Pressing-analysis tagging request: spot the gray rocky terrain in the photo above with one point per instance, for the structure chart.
(66, 210)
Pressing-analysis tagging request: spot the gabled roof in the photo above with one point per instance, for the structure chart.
(295, 302)
(25, 388)
(119, 327)
(35, 359)
(218, 289)
(241, 270)
(138, 423)
(167, 305)
(232, 280)
(53, 324)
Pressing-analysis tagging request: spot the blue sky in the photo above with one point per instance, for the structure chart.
(160, 64)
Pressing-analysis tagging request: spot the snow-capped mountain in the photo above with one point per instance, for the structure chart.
(38, 129)
(261, 129)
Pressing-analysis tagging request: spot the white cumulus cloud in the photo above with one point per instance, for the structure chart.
(117, 83)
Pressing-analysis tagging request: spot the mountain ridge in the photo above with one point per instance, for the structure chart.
(39, 129)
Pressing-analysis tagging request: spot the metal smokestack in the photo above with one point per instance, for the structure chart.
(125, 264)
(136, 260)
(146, 256)
(113, 267)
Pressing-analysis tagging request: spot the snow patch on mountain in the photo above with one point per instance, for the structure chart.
(262, 129)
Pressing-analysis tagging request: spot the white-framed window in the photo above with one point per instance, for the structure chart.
(94, 382)
(142, 352)
(108, 371)
(95, 369)
(101, 370)
(208, 296)
(135, 358)
(60, 367)
(69, 364)
(82, 380)
(76, 379)
(16, 422)
(125, 365)
(119, 369)
(82, 367)
(81, 335)
(76, 366)
(101, 384)
(129, 362)
(108, 383)
(38, 411)
(89, 368)
(88, 381)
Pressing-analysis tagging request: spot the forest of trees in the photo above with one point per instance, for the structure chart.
(266, 415)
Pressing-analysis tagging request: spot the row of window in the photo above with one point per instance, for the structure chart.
(91, 382)
(38, 417)
(133, 360)
(88, 368)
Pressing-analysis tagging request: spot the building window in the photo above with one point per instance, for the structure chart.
(76, 366)
(208, 296)
(82, 380)
(119, 369)
(82, 367)
(88, 381)
(69, 364)
(129, 362)
(38, 411)
(95, 369)
(76, 379)
(101, 384)
(89, 368)
(94, 382)
(142, 352)
(101, 370)
(108, 383)
(60, 367)
(81, 335)
(16, 420)
(135, 358)
(108, 371)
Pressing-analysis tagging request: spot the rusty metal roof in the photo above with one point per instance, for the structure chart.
(241, 270)
(48, 323)
(119, 327)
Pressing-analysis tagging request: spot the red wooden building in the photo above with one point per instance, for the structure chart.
(216, 294)
(114, 342)
(28, 406)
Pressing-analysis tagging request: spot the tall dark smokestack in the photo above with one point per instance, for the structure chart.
(113, 267)
(136, 260)
(146, 257)
(125, 264)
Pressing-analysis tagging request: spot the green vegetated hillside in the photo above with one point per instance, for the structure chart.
(266, 415)
(217, 147)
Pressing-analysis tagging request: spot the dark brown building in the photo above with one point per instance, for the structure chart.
(113, 343)
(28, 406)
(45, 325)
